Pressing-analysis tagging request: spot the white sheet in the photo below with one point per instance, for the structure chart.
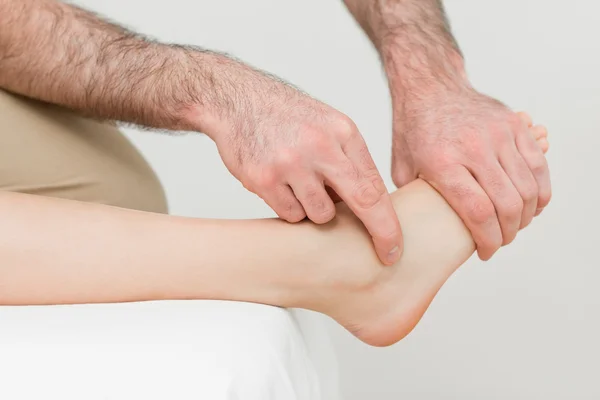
(163, 350)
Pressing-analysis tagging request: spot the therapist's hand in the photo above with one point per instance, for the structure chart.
(299, 155)
(478, 154)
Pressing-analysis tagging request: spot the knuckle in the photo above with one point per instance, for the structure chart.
(472, 154)
(492, 242)
(311, 192)
(444, 159)
(475, 152)
(287, 159)
(316, 144)
(365, 195)
(511, 207)
(248, 185)
(349, 171)
(470, 140)
(544, 198)
(320, 209)
(266, 179)
(538, 164)
(481, 211)
(516, 122)
(344, 127)
(372, 174)
(314, 138)
(530, 193)
(452, 184)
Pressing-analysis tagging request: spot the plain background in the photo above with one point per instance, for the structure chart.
(523, 326)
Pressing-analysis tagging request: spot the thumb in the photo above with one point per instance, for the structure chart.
(402, 174)
(403, 169)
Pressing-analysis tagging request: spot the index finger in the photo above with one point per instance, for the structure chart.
(358, 183)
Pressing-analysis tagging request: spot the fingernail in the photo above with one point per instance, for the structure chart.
(393, 255)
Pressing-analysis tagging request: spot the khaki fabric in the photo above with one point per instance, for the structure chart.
(49, 151)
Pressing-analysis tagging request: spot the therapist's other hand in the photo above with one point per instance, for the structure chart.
(479, 155)
(300, 155)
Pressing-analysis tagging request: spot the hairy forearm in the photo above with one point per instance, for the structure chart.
(415, 41)
(65, 55)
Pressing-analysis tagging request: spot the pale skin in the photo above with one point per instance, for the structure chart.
(295, 152)
(90, 253)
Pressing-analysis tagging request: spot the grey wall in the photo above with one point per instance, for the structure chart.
(526, 324)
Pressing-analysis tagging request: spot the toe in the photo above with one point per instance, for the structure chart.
(539, 131)
(544, 144)
(525, 117)
(540, 134)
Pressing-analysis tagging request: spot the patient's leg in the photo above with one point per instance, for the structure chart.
(56, 251)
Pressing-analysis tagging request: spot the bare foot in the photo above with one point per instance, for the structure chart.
(388, 307)
(539, 132)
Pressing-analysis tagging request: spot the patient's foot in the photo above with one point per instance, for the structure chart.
(539, 132)
(386, 309)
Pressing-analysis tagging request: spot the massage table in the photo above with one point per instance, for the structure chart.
(168, 350)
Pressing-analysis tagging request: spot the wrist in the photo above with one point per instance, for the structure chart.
(225, 92)
(200, 92)
(419, 70)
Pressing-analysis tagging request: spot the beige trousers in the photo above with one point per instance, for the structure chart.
(47, 150)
